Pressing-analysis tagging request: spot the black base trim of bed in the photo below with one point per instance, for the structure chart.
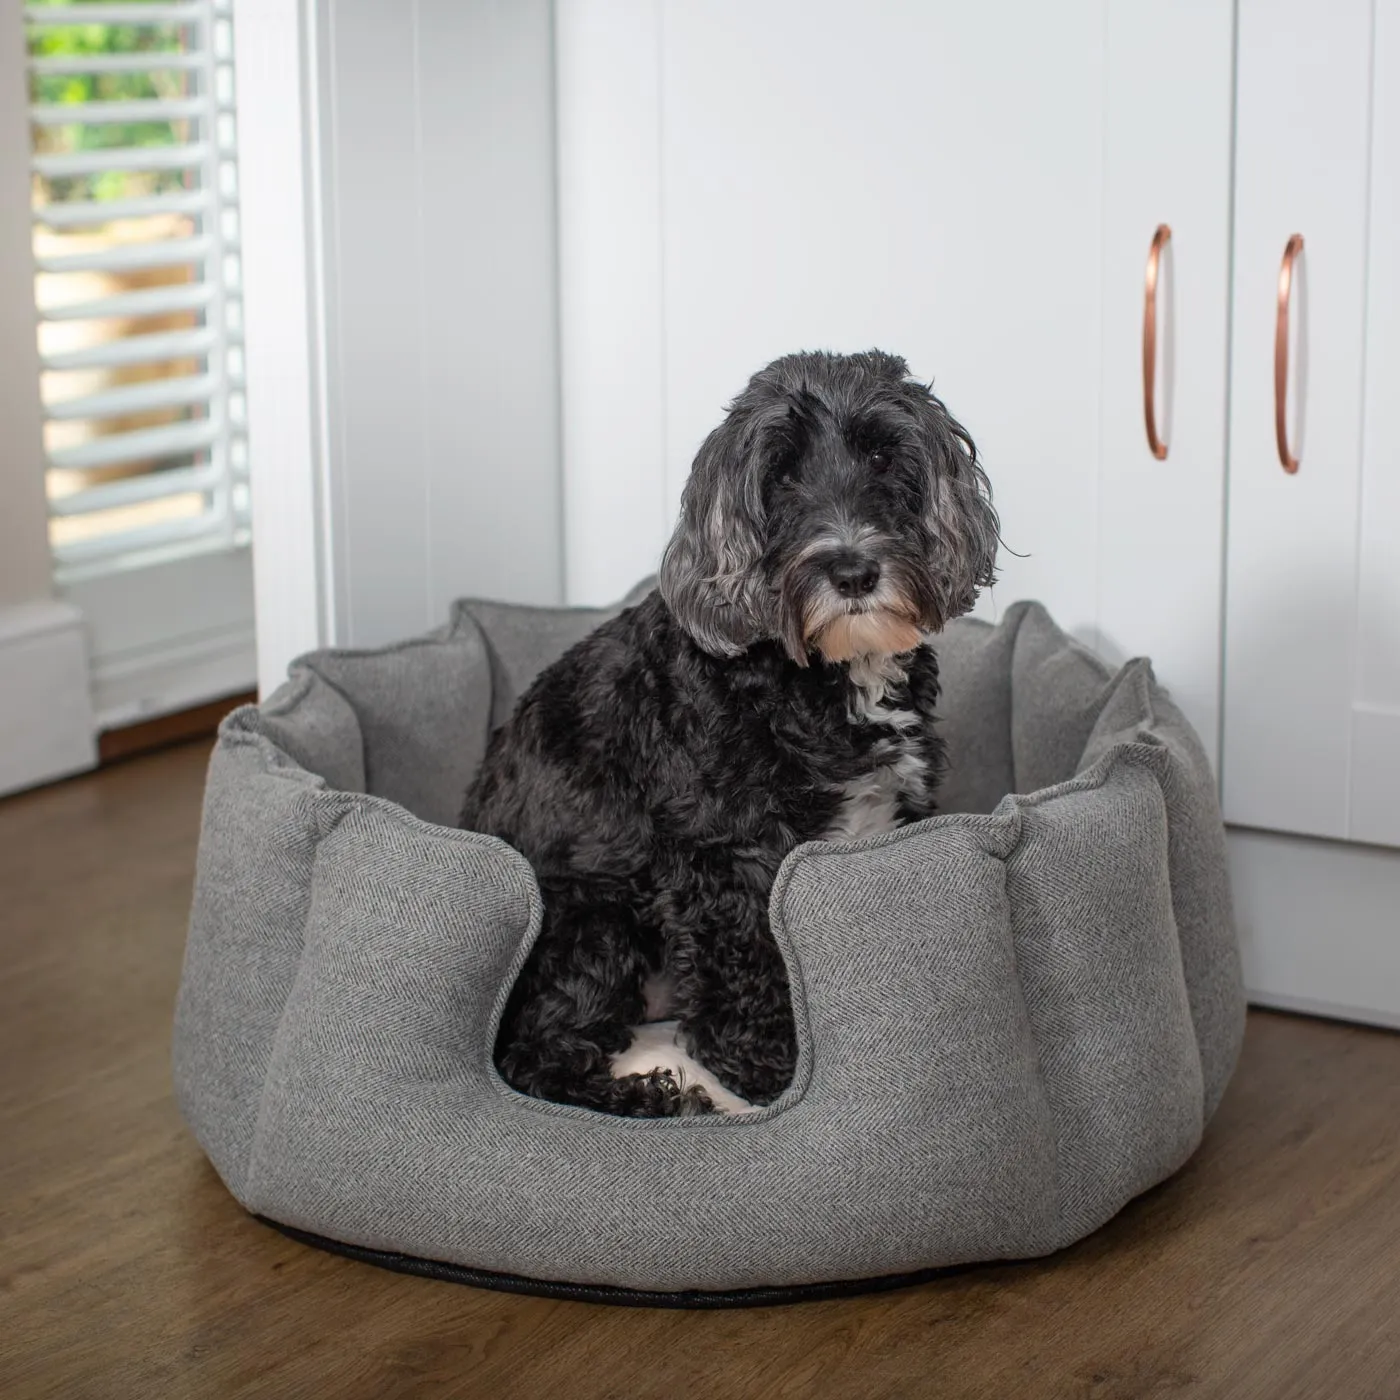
(605, 1293)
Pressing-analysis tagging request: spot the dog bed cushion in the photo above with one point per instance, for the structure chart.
(1012, 1018)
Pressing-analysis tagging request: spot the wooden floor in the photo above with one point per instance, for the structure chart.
(1270, 1267)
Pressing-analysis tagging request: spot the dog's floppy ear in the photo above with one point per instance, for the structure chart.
(961, 520)
(711, 578)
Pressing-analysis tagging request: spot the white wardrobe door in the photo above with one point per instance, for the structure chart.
(1168, 89)
(1302, 166)
(1375, 726)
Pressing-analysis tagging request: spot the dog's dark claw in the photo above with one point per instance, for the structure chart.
(658, 1095)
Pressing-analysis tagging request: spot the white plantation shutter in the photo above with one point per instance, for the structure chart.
(138, 294)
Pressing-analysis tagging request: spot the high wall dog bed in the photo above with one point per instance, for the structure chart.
(1012, 1018)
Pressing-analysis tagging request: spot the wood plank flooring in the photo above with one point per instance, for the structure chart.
(1269, 1268)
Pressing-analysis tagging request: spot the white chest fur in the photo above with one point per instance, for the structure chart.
(870, 803)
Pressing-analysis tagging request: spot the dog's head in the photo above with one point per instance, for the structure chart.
(837, 508)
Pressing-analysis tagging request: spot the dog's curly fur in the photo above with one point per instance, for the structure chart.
(775, 689)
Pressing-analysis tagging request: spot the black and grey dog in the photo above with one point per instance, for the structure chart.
(775, 689)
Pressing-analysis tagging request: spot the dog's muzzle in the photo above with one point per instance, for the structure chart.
(853, 608)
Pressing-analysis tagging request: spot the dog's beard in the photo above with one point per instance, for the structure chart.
(856, 634)
(885, 623)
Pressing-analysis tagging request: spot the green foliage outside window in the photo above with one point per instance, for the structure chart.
(62, 88)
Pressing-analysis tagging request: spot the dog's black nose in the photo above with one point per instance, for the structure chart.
(853, 577)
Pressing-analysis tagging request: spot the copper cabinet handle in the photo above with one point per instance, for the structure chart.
(1160, 239)
(1285, 293)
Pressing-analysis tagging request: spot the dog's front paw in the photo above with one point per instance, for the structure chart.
(656, 1048)
(659, 1094)
(692, 1101)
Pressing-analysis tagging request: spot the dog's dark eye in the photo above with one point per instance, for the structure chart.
(782, 469)
(878, 460)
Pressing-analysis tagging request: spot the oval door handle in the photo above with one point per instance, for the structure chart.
(1160, 239)
(1285, 296)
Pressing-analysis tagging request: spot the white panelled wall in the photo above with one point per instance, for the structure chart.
(618, 501)
(436, 129)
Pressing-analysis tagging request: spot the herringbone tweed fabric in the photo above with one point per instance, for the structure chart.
(1012, 1018)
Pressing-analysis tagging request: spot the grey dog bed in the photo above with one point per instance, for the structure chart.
(1012, 1018)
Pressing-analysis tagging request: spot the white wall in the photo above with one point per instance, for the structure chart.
(436, 154)
(617, 503)
(24, 548)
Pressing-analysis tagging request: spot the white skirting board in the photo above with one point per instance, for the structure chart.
(168, 636)
(1319, 924)
(46, 721)
(185, 672)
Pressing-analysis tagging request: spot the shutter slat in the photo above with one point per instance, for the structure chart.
(135, 350)
(151, 61)
(168, 441)
(136, 490)
(100, 548)
(147, 109)
(121, 158)
(135, 398)
(51, 16)
(155, 301)
(73, 213)
(129, 257)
